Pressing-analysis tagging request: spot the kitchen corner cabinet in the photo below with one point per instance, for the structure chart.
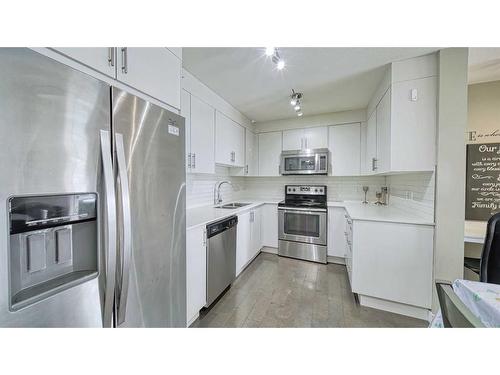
(201, 154)
(344, 142)
(392, 261)
(401, 130)
(229, 142)
(336, 232)
(269, 153)
(154, 71)
(248, 238)
(196, 271)
(308, 138)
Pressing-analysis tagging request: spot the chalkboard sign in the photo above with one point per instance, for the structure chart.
(483, 181)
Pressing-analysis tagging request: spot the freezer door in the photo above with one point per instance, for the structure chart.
(50, 122)
(154, 148)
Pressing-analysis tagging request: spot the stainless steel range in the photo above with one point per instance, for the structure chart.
(302, 223)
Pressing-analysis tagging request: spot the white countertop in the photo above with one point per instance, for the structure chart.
(207, 214)
(475, 231)
(357, 211)
(373, 212)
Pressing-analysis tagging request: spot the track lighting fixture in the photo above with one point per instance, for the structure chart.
(273, 53)
(295, 99)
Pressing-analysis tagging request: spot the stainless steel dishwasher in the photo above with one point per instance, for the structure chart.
(221, 256)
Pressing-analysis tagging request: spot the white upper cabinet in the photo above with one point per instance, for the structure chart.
(102, 59)
(293, 139)
(403, 118)
(269, 153)
(371, 143)
(229, 142)
(154, 71)
(316, 137)
(202, 137)
(186, 113)
(344, 143)
(251, 153)
(308, 138)
(384, 140)
(414, 124)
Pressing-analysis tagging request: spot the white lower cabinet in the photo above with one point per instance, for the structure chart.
(248, 239)
(269, 225)
(336, 232)
(196, 272)
(393, 262)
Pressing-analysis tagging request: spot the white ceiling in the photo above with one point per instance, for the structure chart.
(484, 64)
(332, 79)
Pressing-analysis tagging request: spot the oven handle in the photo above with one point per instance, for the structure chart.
(303, 209)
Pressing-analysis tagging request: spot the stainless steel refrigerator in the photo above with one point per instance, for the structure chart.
(92, 201)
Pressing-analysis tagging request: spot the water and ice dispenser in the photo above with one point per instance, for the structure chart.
(53, 245)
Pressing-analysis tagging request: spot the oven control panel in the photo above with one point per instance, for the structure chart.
(305, 189)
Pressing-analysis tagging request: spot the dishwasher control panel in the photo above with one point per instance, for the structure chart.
(220, 226)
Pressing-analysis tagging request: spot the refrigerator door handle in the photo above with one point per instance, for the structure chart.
(126, 244)
(110, 255)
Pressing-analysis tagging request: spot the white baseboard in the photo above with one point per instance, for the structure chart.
(394, 307)
(336, 260)
(270, 250)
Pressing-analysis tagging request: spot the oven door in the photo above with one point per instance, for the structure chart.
(302, 225)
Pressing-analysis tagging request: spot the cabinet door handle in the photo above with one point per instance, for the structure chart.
(205, 237)
(124, 60)
(189, 160)
(193, 161)
(374, 164)
(246, 169)
(111, 56)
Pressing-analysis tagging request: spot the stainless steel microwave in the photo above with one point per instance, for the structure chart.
(310, 161)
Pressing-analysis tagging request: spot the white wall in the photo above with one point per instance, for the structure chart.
(334, 118)
(450, 172)
(483, 117)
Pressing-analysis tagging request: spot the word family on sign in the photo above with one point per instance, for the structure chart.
(483, 181)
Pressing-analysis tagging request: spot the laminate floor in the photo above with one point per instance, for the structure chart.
(282, 292)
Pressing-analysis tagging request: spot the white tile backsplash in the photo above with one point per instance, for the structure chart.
(413, 192)
(338, 188)
(200, 187)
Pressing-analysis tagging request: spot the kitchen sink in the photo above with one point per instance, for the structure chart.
(233, 205)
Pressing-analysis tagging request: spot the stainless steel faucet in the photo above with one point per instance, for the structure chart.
(217, 198)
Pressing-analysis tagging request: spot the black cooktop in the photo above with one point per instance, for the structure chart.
(305, 204)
